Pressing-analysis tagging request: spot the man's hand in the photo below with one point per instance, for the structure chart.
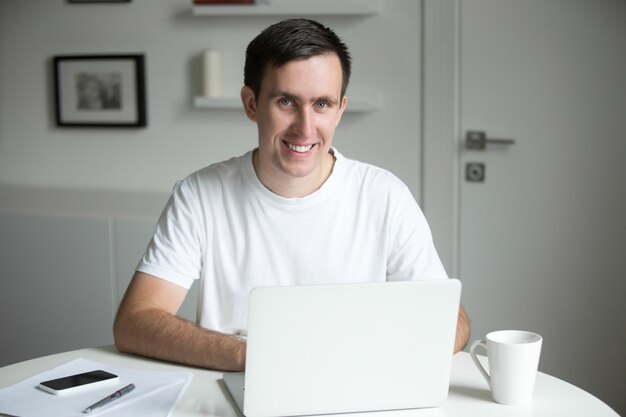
(462, 330)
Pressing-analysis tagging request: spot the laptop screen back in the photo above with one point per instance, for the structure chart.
(349, 347)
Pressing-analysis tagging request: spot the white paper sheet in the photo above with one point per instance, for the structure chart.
(24, 399)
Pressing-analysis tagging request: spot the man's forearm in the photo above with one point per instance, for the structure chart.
(161, 335)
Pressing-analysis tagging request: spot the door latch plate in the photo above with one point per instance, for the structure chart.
(475, 172)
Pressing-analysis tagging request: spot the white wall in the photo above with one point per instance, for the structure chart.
(77, 205)
(180, 138)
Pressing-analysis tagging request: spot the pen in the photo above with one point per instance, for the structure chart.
(117, 394)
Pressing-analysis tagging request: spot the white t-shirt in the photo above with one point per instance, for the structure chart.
(223, 227)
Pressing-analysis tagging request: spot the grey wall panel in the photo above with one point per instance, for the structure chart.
(55, 285)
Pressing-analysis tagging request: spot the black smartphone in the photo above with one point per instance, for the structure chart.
(79, 382)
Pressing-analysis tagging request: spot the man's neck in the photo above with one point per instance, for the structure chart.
(290, 187)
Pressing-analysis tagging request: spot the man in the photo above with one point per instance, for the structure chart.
(293, 211)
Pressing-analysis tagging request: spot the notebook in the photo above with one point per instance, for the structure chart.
(342, 348)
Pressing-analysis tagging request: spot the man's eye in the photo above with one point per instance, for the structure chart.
(321, 104)
(285, 101)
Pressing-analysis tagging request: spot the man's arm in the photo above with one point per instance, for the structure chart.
(462, 330)
(146, 324)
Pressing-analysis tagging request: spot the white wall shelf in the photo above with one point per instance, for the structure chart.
(292, 8)
(357, 103)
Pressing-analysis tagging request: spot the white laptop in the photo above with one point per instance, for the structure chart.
(326, 349)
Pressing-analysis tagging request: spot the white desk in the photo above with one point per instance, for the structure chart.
(469, 395)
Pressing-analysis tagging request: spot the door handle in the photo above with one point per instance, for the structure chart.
(478, 140)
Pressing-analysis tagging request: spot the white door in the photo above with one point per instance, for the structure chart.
(541, 241)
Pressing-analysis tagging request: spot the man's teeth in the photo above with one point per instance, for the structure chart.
(300, 149)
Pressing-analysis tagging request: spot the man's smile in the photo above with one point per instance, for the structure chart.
(299, 149)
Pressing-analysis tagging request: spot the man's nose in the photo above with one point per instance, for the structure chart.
(305, 122)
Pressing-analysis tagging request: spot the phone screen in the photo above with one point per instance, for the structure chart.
(78, 380)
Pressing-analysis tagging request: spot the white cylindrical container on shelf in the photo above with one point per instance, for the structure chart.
(212, 72)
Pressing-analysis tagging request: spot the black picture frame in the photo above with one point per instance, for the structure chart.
(100, 90)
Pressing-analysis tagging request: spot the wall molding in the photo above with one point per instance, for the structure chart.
(69, 202)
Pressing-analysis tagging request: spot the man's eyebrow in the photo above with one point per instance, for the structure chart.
(281, 93)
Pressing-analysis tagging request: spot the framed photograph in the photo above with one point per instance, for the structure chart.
(100, 90)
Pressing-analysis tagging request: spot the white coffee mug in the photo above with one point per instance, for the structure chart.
(513, 357)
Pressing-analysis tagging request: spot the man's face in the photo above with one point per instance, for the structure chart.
(297, 111)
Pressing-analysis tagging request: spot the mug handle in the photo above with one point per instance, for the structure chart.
(479, 365)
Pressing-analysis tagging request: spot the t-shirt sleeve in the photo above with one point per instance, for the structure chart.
(412, 254)
(174, 252)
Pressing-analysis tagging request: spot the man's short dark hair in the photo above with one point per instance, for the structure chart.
(289, 40)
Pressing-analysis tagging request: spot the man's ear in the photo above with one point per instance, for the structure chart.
(249, 102)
